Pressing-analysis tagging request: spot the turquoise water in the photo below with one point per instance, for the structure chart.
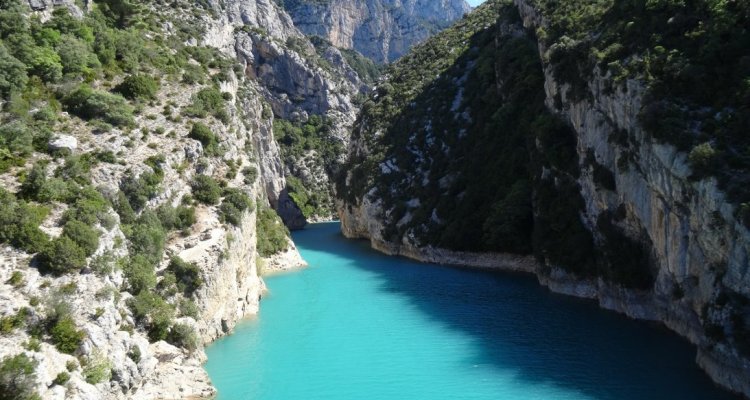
(360, 325)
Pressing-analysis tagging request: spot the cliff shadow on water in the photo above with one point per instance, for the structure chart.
(517, 325)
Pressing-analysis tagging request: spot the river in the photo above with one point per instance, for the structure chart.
(357, 324)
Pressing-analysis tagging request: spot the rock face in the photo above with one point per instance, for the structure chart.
(684, 232)
(382, 30)
(296, 82)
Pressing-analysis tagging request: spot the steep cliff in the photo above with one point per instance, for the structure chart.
(557, 131)
(382, 30)
(140, 174)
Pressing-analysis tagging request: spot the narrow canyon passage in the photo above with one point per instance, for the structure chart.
(360, 325)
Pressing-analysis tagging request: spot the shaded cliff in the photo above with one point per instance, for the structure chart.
(543, 130)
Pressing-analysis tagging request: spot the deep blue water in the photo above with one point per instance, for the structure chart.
(360, 325)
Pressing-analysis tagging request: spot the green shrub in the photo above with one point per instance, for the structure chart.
(17, 138)
(63, 255)
(16, 279)
(140, 190)
(176, 218)
(18, 378)
(61, 378)
(89, 206)
(103, 264)
(184, 336)
(139, 273)
(88, 103)
(33, 344)
(153, 312)
(193, 74)
(19, 224)
(188, 275)
(135, 354)
(250, 175)
(203, 134)
(138, 87)
(84, 235)
(188, 308)
(208, 101)
(234, 205)
(97, 370)
(76, 57)
(13, 75)
(65, 336)
(147, 237)
(10, 322)
(206, 190)
(272, 234)
(703, 157)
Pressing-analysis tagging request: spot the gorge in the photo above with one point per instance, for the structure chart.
(154, 157)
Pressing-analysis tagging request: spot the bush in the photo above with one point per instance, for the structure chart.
(11, 322)
(88, 207)
(61, 378)
(139, 273)
(188, 275)
(206, 190)
(138, 87)
(272, 234)
(88, 103)
(182, 335)
(138, 191)
(234, 205)
(84, 235)
(97, 370)
(188, 308)
(19, 224)
(135, 354)
(203, 134)
(16, 279)
(155, 314)
(251, 174)
(208, 101)
(13, 76)
(147, 237)
(17, 378)
(65, 336)
(75, 56)
(178, 218)
(702, 157)
(63, 255)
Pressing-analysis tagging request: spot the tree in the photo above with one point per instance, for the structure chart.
(122, 12)
(75, 56)
(12, 73)
(46, 64)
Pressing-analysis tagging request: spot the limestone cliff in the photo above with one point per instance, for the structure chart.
(610, 211)
(205, 129)
(382, 30)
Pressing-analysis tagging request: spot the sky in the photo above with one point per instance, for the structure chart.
(475, 3)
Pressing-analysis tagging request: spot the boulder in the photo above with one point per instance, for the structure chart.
(63, 143)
